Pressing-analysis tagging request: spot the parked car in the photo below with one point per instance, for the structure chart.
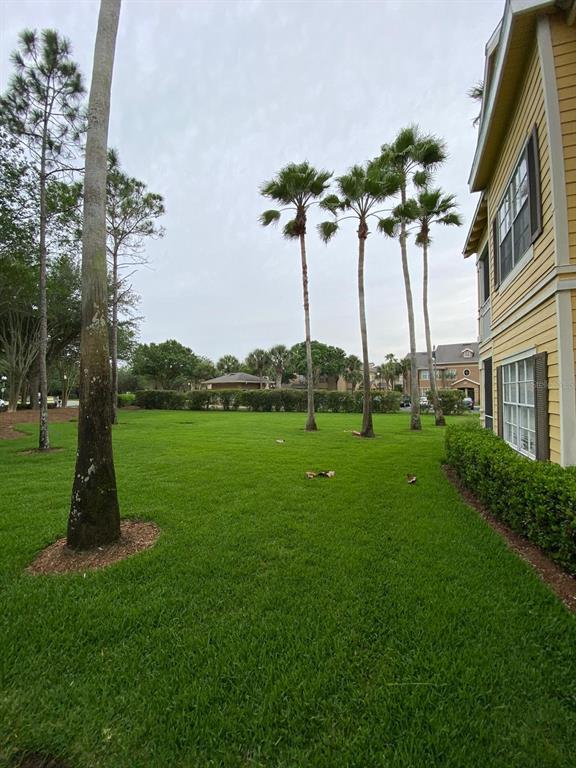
(424, 402)
(405, 401)
(467, 402)
(3, 405)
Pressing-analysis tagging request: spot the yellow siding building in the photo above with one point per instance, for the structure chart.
(524, 230)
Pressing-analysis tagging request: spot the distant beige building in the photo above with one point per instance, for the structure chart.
(524, 230)
(236, 381)
(455, 367)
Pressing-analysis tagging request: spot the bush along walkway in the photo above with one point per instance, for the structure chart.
(536, 499)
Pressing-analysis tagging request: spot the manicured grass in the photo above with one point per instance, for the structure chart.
(358, 621)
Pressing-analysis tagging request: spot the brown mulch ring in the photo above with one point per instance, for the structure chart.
(55, 415)
(551, 574)
(135, 536)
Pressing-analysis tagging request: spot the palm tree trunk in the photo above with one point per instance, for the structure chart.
(44, 438)
(114, 339)
(414, 395)
(367, 427)
(94, 512)
(311, 425)
(439, 416)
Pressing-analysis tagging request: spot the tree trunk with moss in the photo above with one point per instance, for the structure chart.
(94, 517)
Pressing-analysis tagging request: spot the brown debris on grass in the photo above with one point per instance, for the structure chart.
(135, 536)
(55, 416)
(551, 574)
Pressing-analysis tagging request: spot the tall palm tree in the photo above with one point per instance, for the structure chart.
(297, 187)
(94, 517)
(362, 192)
(434, 207)
(412, 156)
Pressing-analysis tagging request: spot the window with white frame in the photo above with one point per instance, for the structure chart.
(519, 420)
(450, 373)
(425, 375)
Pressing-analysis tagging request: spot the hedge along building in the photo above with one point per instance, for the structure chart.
(524, 229)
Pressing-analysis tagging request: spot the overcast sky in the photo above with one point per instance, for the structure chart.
(211, 98)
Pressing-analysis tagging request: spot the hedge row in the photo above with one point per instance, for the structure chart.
(265, 400)
(537, 499)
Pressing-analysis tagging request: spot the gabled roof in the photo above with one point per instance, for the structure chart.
(506, 55)
(235, 378)
(450, 354)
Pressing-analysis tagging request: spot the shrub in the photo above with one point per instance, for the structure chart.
(200, 399)
(451, 401)
(161, 399)
(537, 499)
(125, 399)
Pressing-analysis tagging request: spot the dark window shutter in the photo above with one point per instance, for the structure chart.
(488, 387)
(496, 252)
(533, 159)
(541, 406)
(500, 390)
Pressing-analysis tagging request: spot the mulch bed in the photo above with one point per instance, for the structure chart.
(55, 415)
(558, 580)
(135, 536)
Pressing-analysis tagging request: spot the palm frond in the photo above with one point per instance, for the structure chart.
(269, 217)
(291, 230)
(388, 226)
(331, 203)
(327, 230)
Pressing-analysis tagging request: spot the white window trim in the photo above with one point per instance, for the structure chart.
(509, 361)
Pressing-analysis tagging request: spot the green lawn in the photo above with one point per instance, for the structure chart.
(358, 621)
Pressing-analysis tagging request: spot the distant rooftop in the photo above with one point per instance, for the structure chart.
(451, 354)
(235, 378)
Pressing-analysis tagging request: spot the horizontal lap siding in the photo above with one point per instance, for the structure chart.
(530, 111)
(537, 329)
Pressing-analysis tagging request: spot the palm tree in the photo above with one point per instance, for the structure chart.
(434, 207)
(353, 370)
(94, 517)
(476, 93)
(279, 356)
(412, 156)
(362, 192)
(228, 364)
(297, 187)
(258, 362)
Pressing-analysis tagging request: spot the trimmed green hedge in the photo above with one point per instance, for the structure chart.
(265, 400)
(535, 498)
(125, 399)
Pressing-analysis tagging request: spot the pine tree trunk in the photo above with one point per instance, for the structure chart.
(44, 438)
(438, 415)
(114, 340)
(34, 386)
(367, 427)
(414, 394)
(14, 385)
(311, 425)
(94, 512)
